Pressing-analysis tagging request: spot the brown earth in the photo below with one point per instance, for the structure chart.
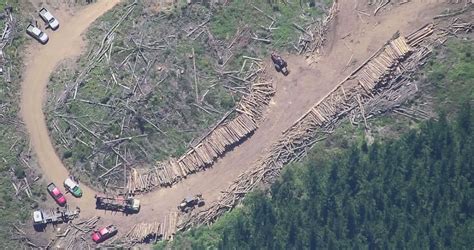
(351, 35)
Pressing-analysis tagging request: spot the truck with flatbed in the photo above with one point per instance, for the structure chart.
(125, 204)
(54, 216)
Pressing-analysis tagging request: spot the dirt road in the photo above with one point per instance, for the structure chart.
(351, 36)
(40, 62)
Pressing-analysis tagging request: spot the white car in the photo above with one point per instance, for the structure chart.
(36, 33)
(49, 18)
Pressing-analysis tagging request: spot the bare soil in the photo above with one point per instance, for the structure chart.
(352, 35)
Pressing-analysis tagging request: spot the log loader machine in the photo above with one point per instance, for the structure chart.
(280, 64)
(127, 205)
(190, 202)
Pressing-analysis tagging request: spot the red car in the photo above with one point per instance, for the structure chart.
(56, 194)
(104, 233)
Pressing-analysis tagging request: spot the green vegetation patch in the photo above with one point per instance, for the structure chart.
(451, 74)
(240, 14)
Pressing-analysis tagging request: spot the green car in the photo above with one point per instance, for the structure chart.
(73, 187)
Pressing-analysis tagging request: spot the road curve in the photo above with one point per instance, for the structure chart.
(40, 62)
(295, 94)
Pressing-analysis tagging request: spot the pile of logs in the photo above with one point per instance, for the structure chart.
(381, 65)
(170, 223)
(400, 90)
(8, 27)
(345, 99)
(254, 103)
(75, 236)
(215, 144)
(419, 35)
(136, 180)
(148, 232)
(459, 25)
(143, 233)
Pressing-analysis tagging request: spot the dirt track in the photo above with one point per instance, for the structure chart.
(40, 62)
(351, 35)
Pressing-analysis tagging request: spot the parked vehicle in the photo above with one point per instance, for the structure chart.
(56, 194)
(104, 233)
(37, 34)
(72, 187)
(49, 19)
(124, 204)
(43, 217)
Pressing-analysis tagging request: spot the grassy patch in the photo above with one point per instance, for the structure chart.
(451, 74)
(241, 13)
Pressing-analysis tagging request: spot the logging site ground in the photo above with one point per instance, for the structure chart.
(164, 101)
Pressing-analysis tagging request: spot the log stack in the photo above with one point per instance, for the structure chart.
(74, 235)
(220, 140)
(382, 64)
(416, 37)
(170, 223)
(254, 103)
(143, 233)
(135, 180)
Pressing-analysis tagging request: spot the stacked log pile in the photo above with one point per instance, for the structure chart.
(143, 233)
(170, 223)
(75, 236)
(220, 140)
(217, 143)
(400, 90)
(418, 36)
(148, 232)
(345, 99)
(382, 65)
(135, 180)
(254, 104)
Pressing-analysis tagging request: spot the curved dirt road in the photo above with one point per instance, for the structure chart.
(41, 61)
(350, 37)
